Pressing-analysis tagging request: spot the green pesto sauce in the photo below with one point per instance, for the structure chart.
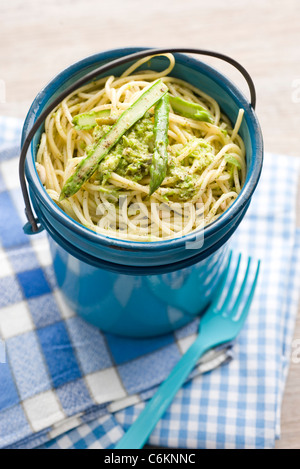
(131, 158)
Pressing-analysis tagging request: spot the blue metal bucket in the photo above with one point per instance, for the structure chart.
(131, 288)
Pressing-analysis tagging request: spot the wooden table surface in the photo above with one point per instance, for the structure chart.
(38, 39)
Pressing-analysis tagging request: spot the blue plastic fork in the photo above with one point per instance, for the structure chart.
(220, 324)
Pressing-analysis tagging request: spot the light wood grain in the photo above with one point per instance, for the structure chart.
(38, 39)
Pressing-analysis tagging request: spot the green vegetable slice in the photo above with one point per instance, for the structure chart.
(159, 165)
(191, 110)
(130, 116)
(232, 160)
(87, 120)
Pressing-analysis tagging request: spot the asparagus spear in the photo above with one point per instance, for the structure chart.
(191, 110)
(158, 168)
(130, 116)
(87, 120)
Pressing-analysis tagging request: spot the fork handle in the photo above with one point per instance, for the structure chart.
(140, 430)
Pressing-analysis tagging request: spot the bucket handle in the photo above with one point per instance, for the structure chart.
(33, 225)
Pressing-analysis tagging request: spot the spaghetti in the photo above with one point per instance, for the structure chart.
(206, 160)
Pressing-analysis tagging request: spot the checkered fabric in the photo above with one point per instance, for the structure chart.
(67, 385)
(58, 371)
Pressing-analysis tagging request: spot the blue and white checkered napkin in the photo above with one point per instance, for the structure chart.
(64, 384)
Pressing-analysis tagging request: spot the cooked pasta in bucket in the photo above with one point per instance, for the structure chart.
(123, 172)
(144, 156)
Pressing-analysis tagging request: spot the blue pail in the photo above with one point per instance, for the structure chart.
(140, 289)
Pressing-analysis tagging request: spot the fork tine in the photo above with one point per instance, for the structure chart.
(235, 307)
(214, 303)
(246, 308)
(232, 285)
